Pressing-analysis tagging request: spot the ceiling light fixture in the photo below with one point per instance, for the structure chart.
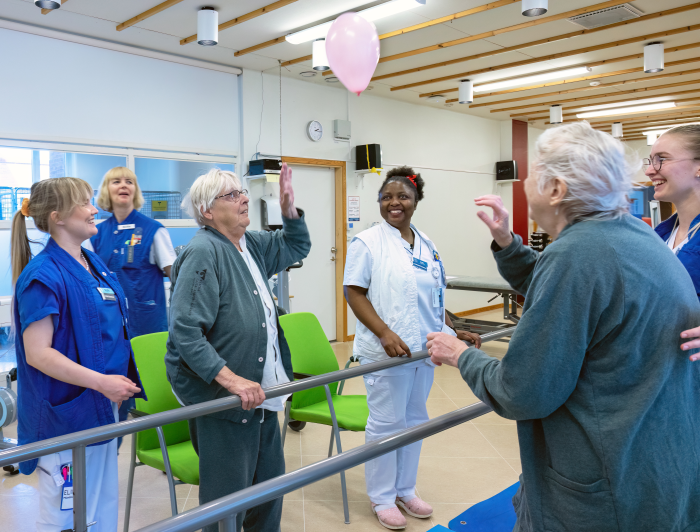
(47, 4)
(332, 79)
(653, 57)
(319, 57)
(623, 104)
(373, 13)
(436, 98)
(535, 78)
(207, 26)
(627, 110)
(651, 138)
(556, 114)
(617, 130)
(466, 91)
(534, 8)
(667, 127)
(307, 74)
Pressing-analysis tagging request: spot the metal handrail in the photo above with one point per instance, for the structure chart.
(78, 441)
(223, 510)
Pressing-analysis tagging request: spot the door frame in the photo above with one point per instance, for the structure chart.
(340, 169)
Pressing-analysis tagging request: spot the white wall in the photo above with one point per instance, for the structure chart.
(455, 154)
(53, 89)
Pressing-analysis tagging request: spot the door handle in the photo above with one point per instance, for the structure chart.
(334, 250)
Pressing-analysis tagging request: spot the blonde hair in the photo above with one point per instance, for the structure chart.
(59, 195)
(104, 201)
(204, 191)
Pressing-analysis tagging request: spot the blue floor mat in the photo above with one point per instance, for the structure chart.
(492, 515)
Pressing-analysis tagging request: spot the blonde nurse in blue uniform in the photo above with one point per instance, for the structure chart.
(395, 285)
(74, 359)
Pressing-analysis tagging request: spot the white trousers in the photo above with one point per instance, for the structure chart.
(102, 490)
(396, 402)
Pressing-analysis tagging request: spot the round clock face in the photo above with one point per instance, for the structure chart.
(315, 130)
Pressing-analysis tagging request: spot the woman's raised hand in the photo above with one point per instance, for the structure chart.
(287, 193)
(498, 225)
(393, 345)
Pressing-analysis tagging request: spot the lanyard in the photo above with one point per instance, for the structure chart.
(691, 231)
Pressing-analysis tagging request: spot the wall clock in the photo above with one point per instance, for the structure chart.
(315, 130)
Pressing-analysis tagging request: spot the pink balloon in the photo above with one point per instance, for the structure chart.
(352, 47)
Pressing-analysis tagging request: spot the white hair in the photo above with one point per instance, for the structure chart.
(594, 166)
(205, 190)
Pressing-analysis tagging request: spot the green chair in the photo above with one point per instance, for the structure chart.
(167, 448)
(313, 355)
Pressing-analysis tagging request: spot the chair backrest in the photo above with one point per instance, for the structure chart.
(311, 354)
(149, 352)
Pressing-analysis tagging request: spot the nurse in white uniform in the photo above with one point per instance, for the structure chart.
(395, 284)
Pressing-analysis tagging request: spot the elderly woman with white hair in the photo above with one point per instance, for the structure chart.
(225, 338)
(605, 399)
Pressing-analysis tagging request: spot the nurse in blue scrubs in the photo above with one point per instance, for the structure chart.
(138, 250)
(74, 357)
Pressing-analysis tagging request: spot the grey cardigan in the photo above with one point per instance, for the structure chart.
(607, 404)
(216, 316)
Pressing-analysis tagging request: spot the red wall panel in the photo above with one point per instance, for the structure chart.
(520, 211)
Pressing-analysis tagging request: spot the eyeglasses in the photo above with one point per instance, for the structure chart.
(234, 195)
(657, 161)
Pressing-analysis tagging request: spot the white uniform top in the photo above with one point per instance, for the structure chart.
(672, 239)
(161, 253)
(273, 371)
(358, 272)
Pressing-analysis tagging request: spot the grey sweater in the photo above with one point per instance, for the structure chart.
(607, 404)
(216, 314)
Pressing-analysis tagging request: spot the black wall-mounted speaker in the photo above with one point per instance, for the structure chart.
(368, 156)
(506, 171)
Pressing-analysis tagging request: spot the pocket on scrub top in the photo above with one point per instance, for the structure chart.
(586, 507)
(75, 415)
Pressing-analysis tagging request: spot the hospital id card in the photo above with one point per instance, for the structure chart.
(107, 294)
(438, 295)
(67, 489)
(420, 264)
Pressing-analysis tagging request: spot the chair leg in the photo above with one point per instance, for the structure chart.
(336, 431)
(130, 486)
(285, 426)
(330, 447)
(168, 471)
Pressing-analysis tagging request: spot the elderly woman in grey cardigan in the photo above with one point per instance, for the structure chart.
(605, 398)
(225, 338)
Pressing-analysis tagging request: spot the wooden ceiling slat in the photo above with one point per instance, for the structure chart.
(573, 114)
(653, 123)
(614, 44)
(559, 82)
(243, 18)
(147, 14)
(598, 96)
(259, 46)
(651, 115)
(579, 89)
(441, 20)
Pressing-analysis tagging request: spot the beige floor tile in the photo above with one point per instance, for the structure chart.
(503, 437)
(146, 511)
(492, 419)
(439, 406)
(355, 386)
(328, 489)
(150, 483)
(515, 464)
(461, 402)
(323, 516)
(292, 516)
(460, 441)
(463, 480)
(292, 442)
(292, 463)
(316, 438)
(455, 388)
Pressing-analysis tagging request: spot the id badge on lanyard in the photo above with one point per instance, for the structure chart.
(67, 489)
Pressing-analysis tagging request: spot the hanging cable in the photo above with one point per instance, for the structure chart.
(262, 108)
(280, 62)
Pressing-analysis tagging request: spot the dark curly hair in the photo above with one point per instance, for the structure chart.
(401, 175)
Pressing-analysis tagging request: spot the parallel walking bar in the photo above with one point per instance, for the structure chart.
(220, 509)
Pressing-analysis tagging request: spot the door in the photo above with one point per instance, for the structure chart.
(313, 285)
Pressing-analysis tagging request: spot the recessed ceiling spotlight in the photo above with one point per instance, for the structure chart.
(48, 4)
(307, 74)
(436, 98)
(595, 83)
(332, 79)
(369, 87)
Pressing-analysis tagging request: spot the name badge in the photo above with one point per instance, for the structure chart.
(67, 491)
(438, 294)
(107, 294)
(126, 226)
(420, 264)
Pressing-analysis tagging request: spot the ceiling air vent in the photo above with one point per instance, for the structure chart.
(603, 17)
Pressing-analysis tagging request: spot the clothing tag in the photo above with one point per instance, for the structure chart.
(126, 226)
(130, 254)
(58, 480)
(437, 297)
(420, 264)
(107, 294)
(67, 492)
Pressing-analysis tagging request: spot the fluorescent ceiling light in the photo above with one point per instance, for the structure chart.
(532, 79)
(623, 104)
(660, 130)
(627, 110)
(380, 11)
